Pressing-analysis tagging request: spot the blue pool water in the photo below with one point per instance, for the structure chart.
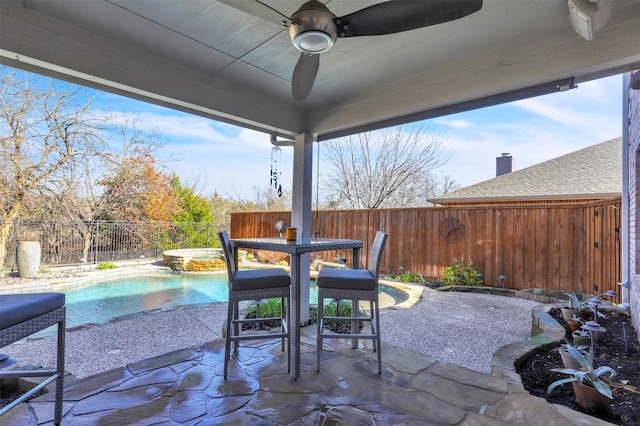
(99, 303)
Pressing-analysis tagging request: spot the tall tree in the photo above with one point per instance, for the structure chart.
(138, 191)
(44, 127)
(388, 168)
(195, 208)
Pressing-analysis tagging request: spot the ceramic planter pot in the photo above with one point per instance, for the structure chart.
(567, 313)
(28, 258)
(580, 340)
(574, 325)
(569, 361)
(589, 398)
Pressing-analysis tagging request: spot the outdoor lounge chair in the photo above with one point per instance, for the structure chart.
(354, 285)
(253, 285)
(22, 315)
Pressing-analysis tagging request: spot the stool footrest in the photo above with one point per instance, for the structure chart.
(14, 374)
(28, 394)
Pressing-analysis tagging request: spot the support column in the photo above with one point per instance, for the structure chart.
(301, 210)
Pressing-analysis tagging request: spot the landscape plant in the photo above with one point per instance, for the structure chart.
(587, 373)
(106, 265)
(407, 277)
(269, 308)
(341, 308)
(271, 257)
(461, 274)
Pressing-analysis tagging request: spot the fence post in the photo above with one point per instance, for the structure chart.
(95, 243)
(15, 245)
(157, 239)
(207, 240)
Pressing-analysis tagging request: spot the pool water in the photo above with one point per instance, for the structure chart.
(99, 303)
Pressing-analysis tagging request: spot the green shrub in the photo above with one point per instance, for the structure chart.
(269, 308)
(333, 309)
(459, 274)
(407, 277)
(106, 265)
(340, 309)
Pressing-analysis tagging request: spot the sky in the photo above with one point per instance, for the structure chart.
(234, 161)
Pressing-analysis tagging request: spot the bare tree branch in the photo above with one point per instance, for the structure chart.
(388, 168)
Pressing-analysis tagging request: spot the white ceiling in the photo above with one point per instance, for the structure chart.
(211, 59)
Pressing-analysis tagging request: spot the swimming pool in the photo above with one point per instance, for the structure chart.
(100, 303)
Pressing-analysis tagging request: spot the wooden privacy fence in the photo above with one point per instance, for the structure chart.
(566, 247)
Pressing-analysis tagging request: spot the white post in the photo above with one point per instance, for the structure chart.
(626, 226)
(301, 210)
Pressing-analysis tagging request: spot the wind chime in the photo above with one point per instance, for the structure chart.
(276, 157)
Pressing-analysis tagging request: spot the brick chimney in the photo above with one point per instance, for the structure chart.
(504, 164)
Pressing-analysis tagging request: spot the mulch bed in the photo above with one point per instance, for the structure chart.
(624, 409)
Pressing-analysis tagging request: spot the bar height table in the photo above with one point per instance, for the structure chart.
(297, 249)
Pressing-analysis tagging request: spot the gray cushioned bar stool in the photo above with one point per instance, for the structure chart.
(354, 285)
(253, 285)
(22, 315)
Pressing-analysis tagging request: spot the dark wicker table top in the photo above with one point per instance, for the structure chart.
(306, 245)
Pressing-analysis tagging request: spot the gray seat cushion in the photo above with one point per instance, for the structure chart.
(253, 279)
(350, 279)
(17, 308)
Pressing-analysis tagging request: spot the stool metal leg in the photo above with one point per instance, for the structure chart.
(60, 367)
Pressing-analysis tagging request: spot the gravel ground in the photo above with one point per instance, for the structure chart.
(462, 328)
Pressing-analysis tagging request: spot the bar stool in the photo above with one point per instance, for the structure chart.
(250, 285)
(22, 315)
(354, 285)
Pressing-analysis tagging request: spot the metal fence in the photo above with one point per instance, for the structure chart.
(74, 243)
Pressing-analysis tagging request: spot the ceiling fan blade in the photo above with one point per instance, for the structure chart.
(304, 74)
(403, 15)
(259, 9)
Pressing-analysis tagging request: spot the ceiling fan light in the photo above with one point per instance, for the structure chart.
(313, 42)
(314, 30)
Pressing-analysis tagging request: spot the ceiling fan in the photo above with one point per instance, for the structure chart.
(313, 29)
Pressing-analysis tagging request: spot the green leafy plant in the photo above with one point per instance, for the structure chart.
(460, 274)
(338, 309)
(106, 265)
(407, 277)
(269, 308)
(342, 309)
(587, 374)
(574, 302)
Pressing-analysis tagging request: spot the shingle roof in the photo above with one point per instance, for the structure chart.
(592, 172)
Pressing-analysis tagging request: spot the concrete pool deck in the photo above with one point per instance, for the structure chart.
(162, 367)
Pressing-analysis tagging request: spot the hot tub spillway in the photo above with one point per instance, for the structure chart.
(195, 260)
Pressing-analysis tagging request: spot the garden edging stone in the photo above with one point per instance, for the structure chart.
(546, 333)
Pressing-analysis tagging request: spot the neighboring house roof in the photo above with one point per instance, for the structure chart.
(594, 172)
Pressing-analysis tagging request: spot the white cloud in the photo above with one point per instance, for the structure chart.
(534, 130)
(456, 123)
(234, 160)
